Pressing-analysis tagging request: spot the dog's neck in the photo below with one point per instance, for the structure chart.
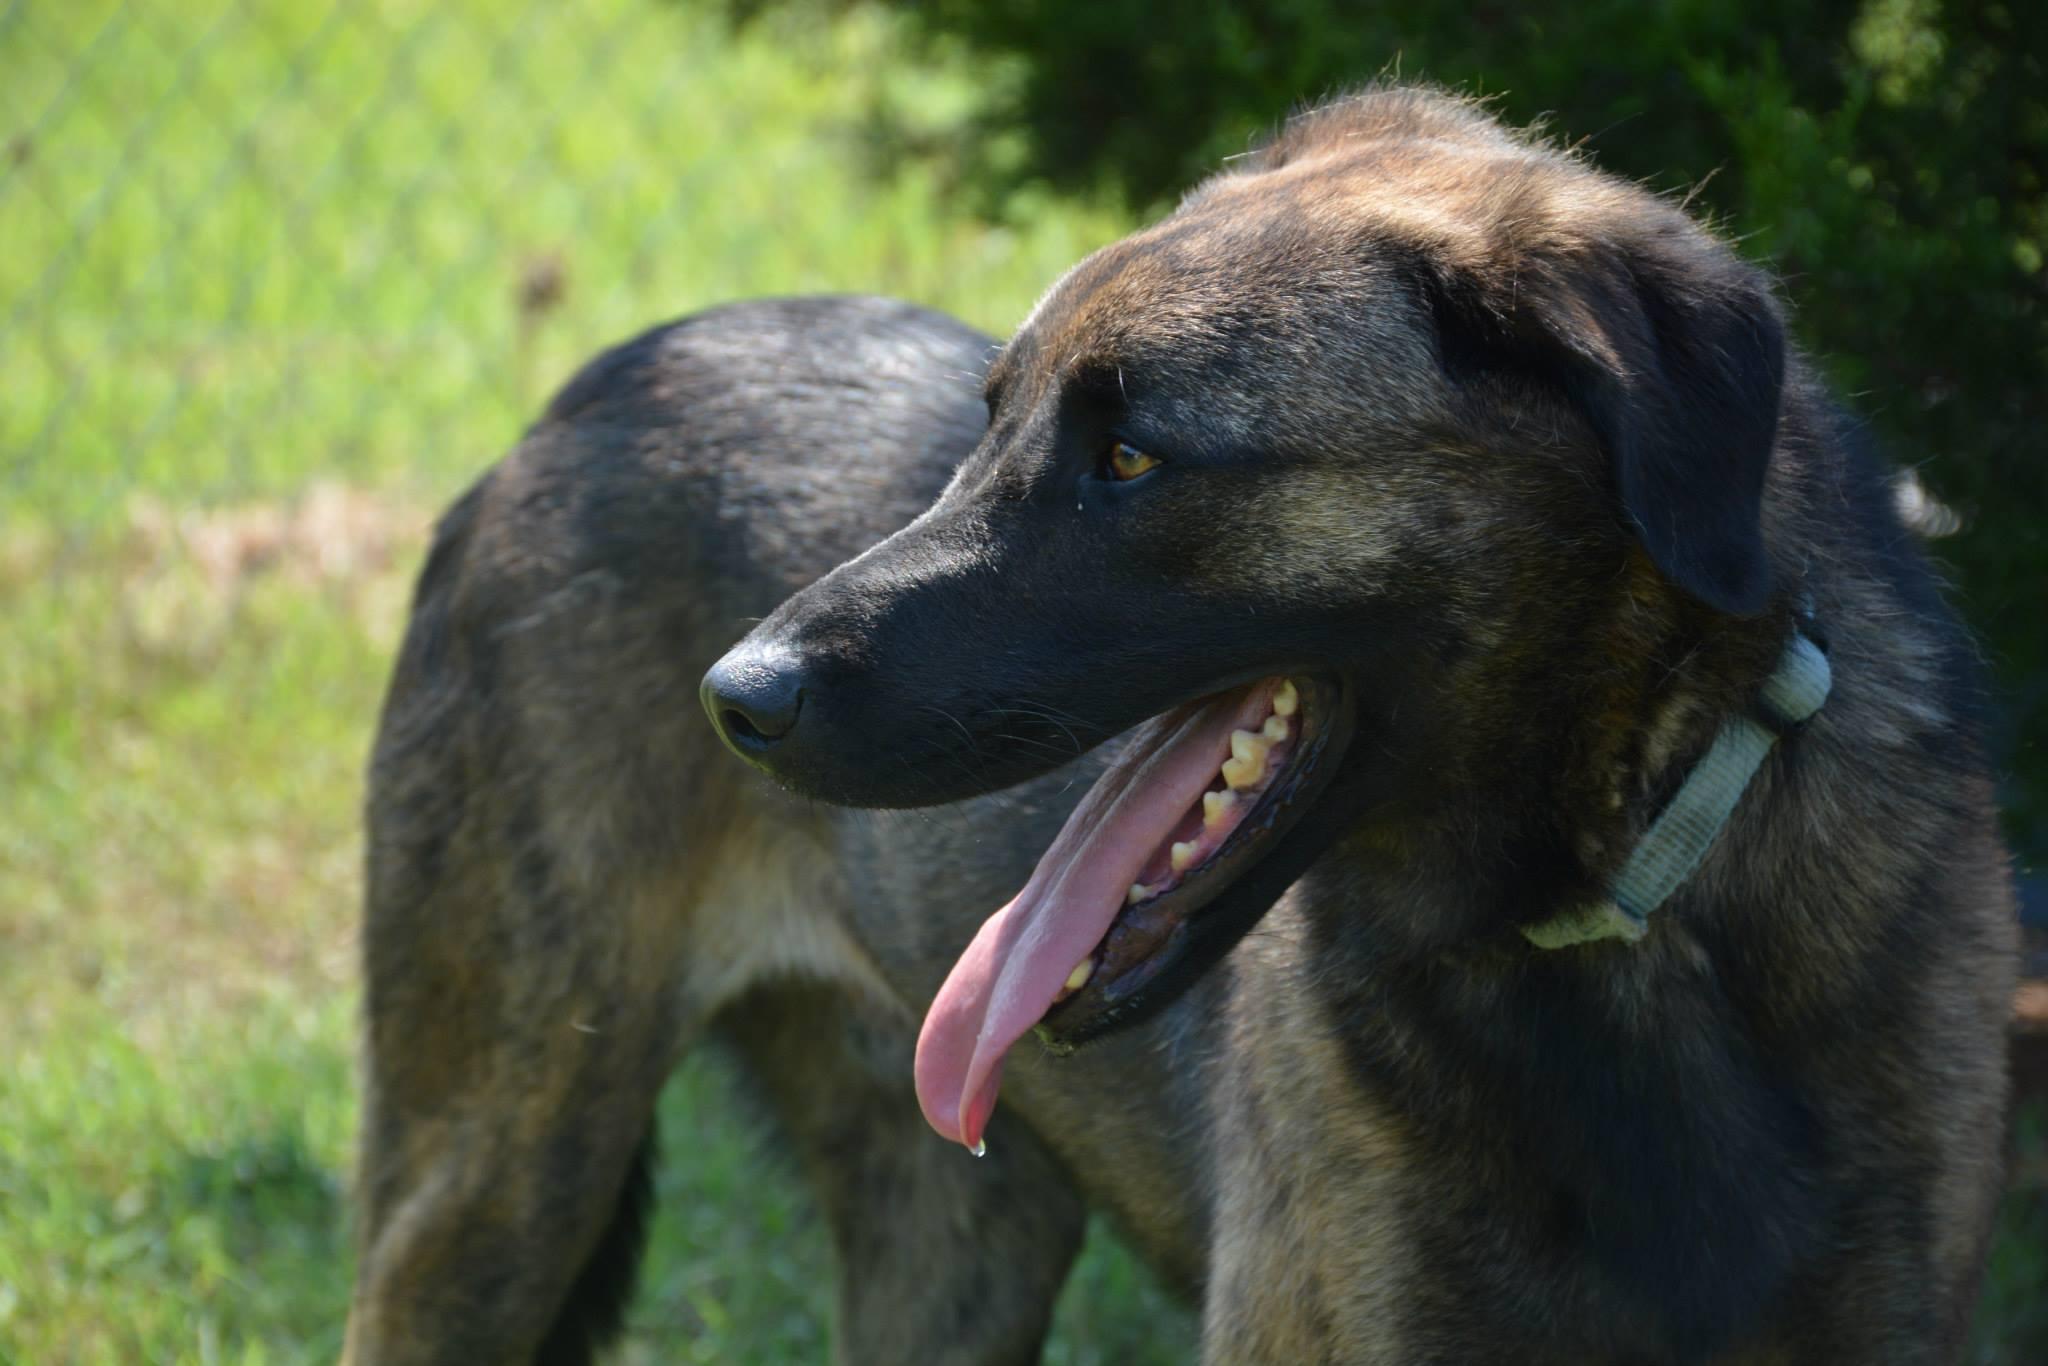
(1503, 823)
(1678, 839)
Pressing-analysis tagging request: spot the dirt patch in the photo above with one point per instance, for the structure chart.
(329, 534)
(186, 572)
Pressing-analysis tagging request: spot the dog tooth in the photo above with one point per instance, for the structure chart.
(1243, 773)
(1216, 806)
(1183, 856)
(1286, 700)
(1275, 728)
(1139, 891)
(1248, 746)
(1078, 978)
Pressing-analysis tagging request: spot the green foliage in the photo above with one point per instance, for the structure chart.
(1887, 157)
(2012, 1320)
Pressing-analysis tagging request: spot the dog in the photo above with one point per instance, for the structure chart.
(1507, 857)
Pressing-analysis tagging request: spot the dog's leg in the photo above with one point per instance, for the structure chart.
(507, 1138)
(943, 1259)
(522, 946)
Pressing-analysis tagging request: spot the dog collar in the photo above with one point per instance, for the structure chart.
(1683, 832)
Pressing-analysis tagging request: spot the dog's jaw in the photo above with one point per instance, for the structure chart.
(1200, 795)
(1198, 839)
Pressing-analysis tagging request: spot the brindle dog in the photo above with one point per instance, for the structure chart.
(1476, 491)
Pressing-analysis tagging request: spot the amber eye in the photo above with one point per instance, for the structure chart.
(1128, 462)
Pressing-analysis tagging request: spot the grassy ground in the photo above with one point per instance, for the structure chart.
(274, 280)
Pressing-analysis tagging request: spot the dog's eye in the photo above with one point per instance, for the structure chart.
(1128, 462)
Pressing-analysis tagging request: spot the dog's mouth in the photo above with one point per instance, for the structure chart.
(1129, 904)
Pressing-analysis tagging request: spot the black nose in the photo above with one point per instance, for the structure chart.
(753, 698)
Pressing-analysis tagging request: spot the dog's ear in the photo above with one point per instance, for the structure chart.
(1673, 351)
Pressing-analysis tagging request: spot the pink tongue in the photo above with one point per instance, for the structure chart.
(1021, 957)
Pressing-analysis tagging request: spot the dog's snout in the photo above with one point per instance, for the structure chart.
(754, 698)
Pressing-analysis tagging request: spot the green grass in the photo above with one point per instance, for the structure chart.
(261, 238)
(261, 269)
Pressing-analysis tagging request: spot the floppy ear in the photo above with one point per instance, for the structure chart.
(1673, 351)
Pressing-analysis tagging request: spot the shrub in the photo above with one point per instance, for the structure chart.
(1885, 157)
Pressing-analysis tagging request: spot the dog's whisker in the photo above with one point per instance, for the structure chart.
(965, 734)
(1039, 713)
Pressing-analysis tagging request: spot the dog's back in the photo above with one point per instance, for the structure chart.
(567, 883)
(570, 883)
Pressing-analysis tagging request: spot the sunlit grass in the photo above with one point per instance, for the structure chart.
(245, 241)
(186, 712)
(275, 279)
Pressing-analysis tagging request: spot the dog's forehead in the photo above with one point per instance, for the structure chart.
(1263, 268)
(1312, 256)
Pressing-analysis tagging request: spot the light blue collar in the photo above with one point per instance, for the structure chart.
(1681, 835)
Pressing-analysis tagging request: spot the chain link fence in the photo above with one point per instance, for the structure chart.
(249, 239)
(242, 240)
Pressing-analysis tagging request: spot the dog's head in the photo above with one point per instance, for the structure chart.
(1266, 477)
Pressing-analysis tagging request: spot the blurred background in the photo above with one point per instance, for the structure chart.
(278, 277)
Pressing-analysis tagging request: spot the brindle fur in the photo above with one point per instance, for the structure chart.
(1516, 447)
